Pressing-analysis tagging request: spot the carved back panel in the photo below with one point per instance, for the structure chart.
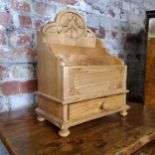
(69, 28)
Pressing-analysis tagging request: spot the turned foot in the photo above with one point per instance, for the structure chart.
(64, 132)
(124, 113)
(40, 118)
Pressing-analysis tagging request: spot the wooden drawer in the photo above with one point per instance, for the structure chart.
(85, 109)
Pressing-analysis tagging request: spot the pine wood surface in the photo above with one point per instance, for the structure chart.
(77, 75)
(110, 135)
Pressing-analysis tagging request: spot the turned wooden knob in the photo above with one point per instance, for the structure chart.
(102, 105)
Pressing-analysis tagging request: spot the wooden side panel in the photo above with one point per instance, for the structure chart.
(51, 107)
(150, 73)
(97, 81)
(50, 71)
(95, 107)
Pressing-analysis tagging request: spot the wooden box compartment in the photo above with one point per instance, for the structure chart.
(78, 79)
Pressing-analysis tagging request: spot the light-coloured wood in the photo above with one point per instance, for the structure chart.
(48, 65)
(67, 28)
(51, 107)
(84, 115)
(40, 118)
(102, 80)
(75, 99)
(78, 79)
(95, 116)
(94, 107)
(48, 116)
(64, 132)
(124, 113)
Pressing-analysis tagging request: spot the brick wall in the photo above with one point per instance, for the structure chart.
(120, 23)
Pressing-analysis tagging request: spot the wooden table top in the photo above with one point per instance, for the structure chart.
(24, 135)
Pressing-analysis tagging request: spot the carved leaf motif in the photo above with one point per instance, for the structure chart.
(70, 24)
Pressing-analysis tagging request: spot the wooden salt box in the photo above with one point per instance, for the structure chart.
(78, 79)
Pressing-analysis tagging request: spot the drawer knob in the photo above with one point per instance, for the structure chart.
(102, 105)
(110, 105)
(106, 106)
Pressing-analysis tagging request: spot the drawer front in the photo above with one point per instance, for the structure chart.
(85, 109)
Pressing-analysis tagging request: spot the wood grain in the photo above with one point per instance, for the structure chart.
(74, 67)
(149, 149)
(150, 74)
(110, 135)
(95, 107)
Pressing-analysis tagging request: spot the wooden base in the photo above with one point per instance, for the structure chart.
(64, 125)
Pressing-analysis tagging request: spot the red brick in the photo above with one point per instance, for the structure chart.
(111, 12)
(25, 21)
(10, 88)
(28, 86)
(2, 37)
(3, 72)
(20, 39)
(5, 19)
(38, 24)
(68, 2)
(16, 87)
(100, 33)
(23, 39)
(114, 34)
(2, 68)
(21, 5)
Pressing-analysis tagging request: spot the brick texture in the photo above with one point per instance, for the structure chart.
(6, 19)
(2, 71)
(23, 55)
(119, 23)
(38, 24)
(16, 87)
(2, 37)
(67, 2)
(20, 39)
(100, 32)
(21, 5)
(25, 21)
